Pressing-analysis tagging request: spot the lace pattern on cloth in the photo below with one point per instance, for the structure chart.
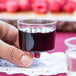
(57, 60)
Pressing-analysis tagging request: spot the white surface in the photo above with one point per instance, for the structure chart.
(27, 15)
(57, 65)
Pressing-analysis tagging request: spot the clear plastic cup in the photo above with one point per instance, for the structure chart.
(71, 62)
(37, 36)
(70, 42)
(71, 56)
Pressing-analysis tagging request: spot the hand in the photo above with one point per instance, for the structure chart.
(9, 44)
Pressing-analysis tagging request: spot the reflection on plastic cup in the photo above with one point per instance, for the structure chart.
(71, 61)
(70, 42)
(71, 56)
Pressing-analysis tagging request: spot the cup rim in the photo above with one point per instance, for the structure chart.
(48, 23)
(67, 42)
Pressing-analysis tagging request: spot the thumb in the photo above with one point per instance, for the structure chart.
(14, 55)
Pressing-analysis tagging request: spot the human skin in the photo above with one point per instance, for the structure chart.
(9, 46)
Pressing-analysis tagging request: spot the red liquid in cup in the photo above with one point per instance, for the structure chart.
(36, 42)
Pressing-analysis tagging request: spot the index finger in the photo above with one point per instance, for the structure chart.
(8, 32)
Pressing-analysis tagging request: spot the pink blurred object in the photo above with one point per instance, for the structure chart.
(69, 7)
(11, 6)
(40, 6)
(24, 5)
(2, 6)
(54, 6)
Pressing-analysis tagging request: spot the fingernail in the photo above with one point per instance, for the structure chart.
(25, 60)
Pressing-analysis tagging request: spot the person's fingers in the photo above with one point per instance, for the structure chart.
(14, 55)
(29, 54)
(8, 33)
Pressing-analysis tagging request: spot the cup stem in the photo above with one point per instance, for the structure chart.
(36, 55)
